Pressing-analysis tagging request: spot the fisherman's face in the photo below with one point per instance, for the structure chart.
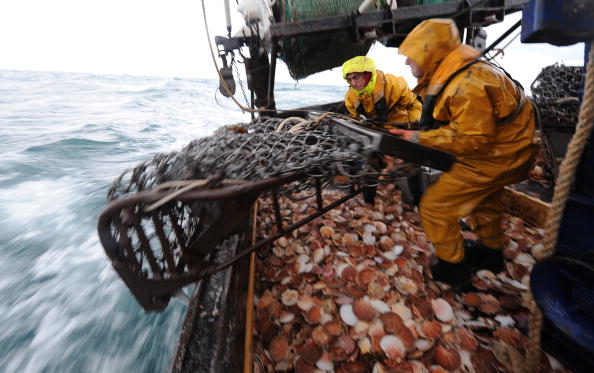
(415, 69)
(358, 80)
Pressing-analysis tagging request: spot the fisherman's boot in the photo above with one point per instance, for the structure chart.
(479, 256)
(454, 274)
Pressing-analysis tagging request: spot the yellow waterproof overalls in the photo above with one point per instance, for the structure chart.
(386, 97)
(489, 126)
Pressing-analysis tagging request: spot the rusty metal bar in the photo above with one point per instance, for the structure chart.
(276, 206)
(146, 248)
(319, 200)
(125, 241)
(167, 250)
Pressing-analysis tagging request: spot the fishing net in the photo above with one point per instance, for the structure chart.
(309, 54)
(254, 151)
(555, 92)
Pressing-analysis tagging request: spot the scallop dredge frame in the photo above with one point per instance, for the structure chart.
(168, 215)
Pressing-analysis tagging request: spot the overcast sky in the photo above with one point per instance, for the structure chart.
(167, 38)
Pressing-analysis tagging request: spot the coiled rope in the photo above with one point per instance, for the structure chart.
(562, 190)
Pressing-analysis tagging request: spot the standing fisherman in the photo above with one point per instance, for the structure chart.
(482, 117)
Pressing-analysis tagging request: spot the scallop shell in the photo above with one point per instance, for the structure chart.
(393, 347)
(430, 329)
(354, 367)
(351, 240)
(279, 348)
(407, 338)
(311, 352)
(333, 328)
(265, 300)
(364, 345)
(525, 259)
(301, 366)
(421, 307)
(290, 297)
(380, 227)
(510, 302)
(443, 310)
(365, 277)
(338, 354)
(346, 343)
(363, 310)
(510, 336)
(437, 369)
(406, 285)
(314, 315)
(286, 317)
(275, 309)
(320, 336)
(471, 299)
(392, 322)
(318, 255)
(347, 315)
(349, 274)
(467, 340)
(423, 344)
(305, 303)
(418, 367)
(282, 242)
(489, 304)
(375, 290)
(386, 243)
(379, 305)
(402, 310)
(327, 231)
(447, 357)
(325, 363)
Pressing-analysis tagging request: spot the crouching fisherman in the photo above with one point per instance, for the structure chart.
(485, 120)
(385, 99)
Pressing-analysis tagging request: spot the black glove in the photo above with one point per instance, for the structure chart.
(369, 193)
(373, 123)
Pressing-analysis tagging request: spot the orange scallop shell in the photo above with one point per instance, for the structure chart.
(311, 352)
(392, 322)
(279, 347)
(363, 310)
(447, 357)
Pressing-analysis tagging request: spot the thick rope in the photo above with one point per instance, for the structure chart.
(562, 190)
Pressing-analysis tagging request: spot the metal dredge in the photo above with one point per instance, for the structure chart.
(555, 92)
(254, 151)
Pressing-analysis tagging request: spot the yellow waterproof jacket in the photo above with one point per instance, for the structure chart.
(390, 95)
(471, 105)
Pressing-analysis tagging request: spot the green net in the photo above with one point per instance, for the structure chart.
(301, 10)
(423, 2)
(309, 54)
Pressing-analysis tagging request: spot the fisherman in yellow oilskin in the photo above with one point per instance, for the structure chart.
(383, 98)
(481, 115)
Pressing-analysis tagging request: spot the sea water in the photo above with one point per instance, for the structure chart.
(64, 137)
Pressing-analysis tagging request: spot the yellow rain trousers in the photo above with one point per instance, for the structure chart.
(489, 155)
(401, 103)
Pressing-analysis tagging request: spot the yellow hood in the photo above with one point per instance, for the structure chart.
(361, 64)
(429, 43)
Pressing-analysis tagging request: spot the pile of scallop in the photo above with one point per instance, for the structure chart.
(352, 292)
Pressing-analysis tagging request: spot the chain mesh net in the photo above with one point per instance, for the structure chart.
(254, 151)
(555, 91)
